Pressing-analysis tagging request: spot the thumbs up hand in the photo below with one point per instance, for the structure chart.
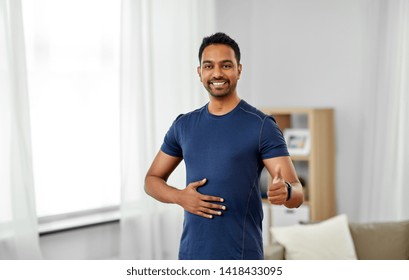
(277, 191)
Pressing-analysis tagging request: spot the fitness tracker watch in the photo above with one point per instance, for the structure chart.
(289, 190)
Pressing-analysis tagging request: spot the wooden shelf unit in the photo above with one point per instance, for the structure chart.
(320, 162)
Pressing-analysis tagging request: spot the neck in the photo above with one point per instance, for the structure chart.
(221, 106)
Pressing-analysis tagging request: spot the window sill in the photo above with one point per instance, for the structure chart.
(70, 221)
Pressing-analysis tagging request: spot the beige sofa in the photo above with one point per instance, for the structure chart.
(372, 241)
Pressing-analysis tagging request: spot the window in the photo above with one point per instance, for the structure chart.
(72, 51)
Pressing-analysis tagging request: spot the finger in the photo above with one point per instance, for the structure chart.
(214, 206)
(276, 190)
(277, 174)
(280, 195)
(212, 198)
(204, 214)
(211, 212)
(276, 200)
(198, 184)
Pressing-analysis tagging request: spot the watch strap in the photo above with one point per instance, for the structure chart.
(289, 190)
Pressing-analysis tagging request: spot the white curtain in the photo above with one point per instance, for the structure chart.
(159, 46)
(385, 189)
(18, 221)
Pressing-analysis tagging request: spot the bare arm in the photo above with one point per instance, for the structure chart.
(189, 198)
(282, 170)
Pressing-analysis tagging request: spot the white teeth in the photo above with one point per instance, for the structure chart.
(218, 84)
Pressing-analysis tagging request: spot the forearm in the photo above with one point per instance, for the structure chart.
(158, 188)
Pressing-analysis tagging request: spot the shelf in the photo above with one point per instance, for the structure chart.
(318, 167)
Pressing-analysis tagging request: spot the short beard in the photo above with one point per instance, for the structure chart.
(219, 95)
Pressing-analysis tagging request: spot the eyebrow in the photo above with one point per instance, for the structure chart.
(223, 61)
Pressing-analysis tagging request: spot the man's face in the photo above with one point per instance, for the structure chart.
(219, 70)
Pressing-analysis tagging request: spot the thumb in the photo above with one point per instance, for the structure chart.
(197, 184)
(277, 174)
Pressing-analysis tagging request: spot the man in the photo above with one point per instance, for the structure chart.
(225, 145)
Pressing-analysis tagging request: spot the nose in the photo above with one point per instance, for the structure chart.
(217, 72)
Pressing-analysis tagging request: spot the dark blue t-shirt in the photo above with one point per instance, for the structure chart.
(227, 150)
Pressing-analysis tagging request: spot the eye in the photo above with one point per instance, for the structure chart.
(207, 66)
(227, 66)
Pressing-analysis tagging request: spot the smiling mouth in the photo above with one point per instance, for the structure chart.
(218, 84)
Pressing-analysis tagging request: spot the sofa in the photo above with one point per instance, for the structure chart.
(336, 238)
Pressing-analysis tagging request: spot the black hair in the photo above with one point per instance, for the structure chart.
(219, 38)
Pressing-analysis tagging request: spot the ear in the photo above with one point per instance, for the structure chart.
(199, 72)
(239, 68)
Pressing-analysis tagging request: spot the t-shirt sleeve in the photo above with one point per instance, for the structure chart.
(272, 142)
(171, 145)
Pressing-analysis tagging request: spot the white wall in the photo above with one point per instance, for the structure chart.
(299, 53)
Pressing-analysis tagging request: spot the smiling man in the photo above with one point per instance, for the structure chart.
(225, 145)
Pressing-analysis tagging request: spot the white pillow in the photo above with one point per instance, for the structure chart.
(327, 240)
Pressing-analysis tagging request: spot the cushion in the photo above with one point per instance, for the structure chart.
(381, 240)
(326, 240)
